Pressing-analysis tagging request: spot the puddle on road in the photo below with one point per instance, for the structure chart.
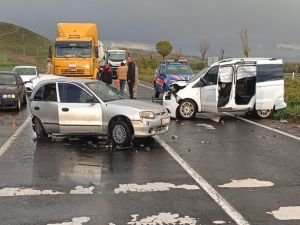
(287, 213)
(247, 183)
(152, 187)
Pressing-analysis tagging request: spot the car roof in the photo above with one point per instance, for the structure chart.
(8, 72)
(64, 79)
(247, 60)
(34, 67)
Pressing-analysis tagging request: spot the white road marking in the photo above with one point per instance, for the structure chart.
(266, 127)
(162, 218)
(207, 126)
(79, 190)
(287, 213)
(75, 221)
(9, 192)
(219, 222)
(146, 86)
(13, 137)
(247, 183)
(152, 187)
(222, 202)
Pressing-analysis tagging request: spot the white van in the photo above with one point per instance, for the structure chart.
(239, 84)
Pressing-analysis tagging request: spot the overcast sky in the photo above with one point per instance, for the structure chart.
(273, 25)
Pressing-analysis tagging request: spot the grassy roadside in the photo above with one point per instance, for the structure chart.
(292, 98)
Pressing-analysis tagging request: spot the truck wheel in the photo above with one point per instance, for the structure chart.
(39, 129)
(264, 113)
(187, 109)
(121, 133)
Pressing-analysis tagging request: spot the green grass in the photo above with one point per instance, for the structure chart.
(16, 42)
(292, 98)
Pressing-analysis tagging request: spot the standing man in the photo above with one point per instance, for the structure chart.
(106, 74)
(49, 69)
(130, 75)
(122, 77)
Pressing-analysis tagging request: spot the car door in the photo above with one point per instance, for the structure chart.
(44, 106)
(209, 90)
(77, 113)
(160, 78)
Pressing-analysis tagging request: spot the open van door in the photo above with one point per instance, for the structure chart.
(269, 84)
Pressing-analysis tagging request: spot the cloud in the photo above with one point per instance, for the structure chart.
(131, 45)
(290, 47)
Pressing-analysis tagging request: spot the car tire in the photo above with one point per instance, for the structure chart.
(264, 113)
(24, 99)
(19, 104)
(187, 109)
(121, 133)
(39, 129)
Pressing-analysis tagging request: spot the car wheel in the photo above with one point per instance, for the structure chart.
(39, 129)
(24, 99)
(187, 109)
(121, 133)
(19, 105)
(156, 93)
(264, 113)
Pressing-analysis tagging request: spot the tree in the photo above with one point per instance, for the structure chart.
(164, 48)
(245, 43)
(222, 53)
(204, 46)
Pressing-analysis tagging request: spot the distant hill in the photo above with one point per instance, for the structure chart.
(20, 46)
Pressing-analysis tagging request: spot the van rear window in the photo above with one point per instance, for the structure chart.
(269, 72)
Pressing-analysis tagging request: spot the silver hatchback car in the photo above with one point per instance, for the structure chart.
(69, 106)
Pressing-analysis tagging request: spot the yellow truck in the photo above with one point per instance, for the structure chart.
(75, 53)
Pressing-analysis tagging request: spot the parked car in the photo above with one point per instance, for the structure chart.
(12, 91)
(26, 73)
(243, 84)
(169, 72)
(69, 106)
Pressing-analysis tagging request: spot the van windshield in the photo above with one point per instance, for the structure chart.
(199, 74)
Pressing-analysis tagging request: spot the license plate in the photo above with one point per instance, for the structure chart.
(165, 121)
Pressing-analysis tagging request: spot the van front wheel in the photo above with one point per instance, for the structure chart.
(187, 109)
(264, 113)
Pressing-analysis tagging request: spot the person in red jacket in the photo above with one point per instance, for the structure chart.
(106, 74)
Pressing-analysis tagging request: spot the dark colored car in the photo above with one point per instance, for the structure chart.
(12, 91)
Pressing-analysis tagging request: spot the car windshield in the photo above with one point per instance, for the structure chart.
(179, 70)
(104, 91)
(25, 71)
(7, 79)
(116, 56)
(199, 74)
(73, 52)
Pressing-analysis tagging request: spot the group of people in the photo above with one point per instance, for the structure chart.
(125, 73)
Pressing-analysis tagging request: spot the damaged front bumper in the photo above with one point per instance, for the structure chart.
(171, 104)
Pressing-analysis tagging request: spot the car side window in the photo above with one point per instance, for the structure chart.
(71, 93)
(39, 94)
(211, 77)
(50, 93)
(162, 70)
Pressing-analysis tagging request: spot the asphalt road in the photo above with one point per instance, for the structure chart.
(200, 172)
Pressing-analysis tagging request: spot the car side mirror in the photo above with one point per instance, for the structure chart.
(91, 99)
(201, 83)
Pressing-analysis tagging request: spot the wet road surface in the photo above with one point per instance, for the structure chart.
(51, 182)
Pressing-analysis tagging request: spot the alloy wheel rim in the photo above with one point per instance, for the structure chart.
(187, 109)
(264, 112)
(119, 134)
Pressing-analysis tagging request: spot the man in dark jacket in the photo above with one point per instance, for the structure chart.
(130, 75)
(106, 74)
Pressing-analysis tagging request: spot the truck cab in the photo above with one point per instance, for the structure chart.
(114, 59)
